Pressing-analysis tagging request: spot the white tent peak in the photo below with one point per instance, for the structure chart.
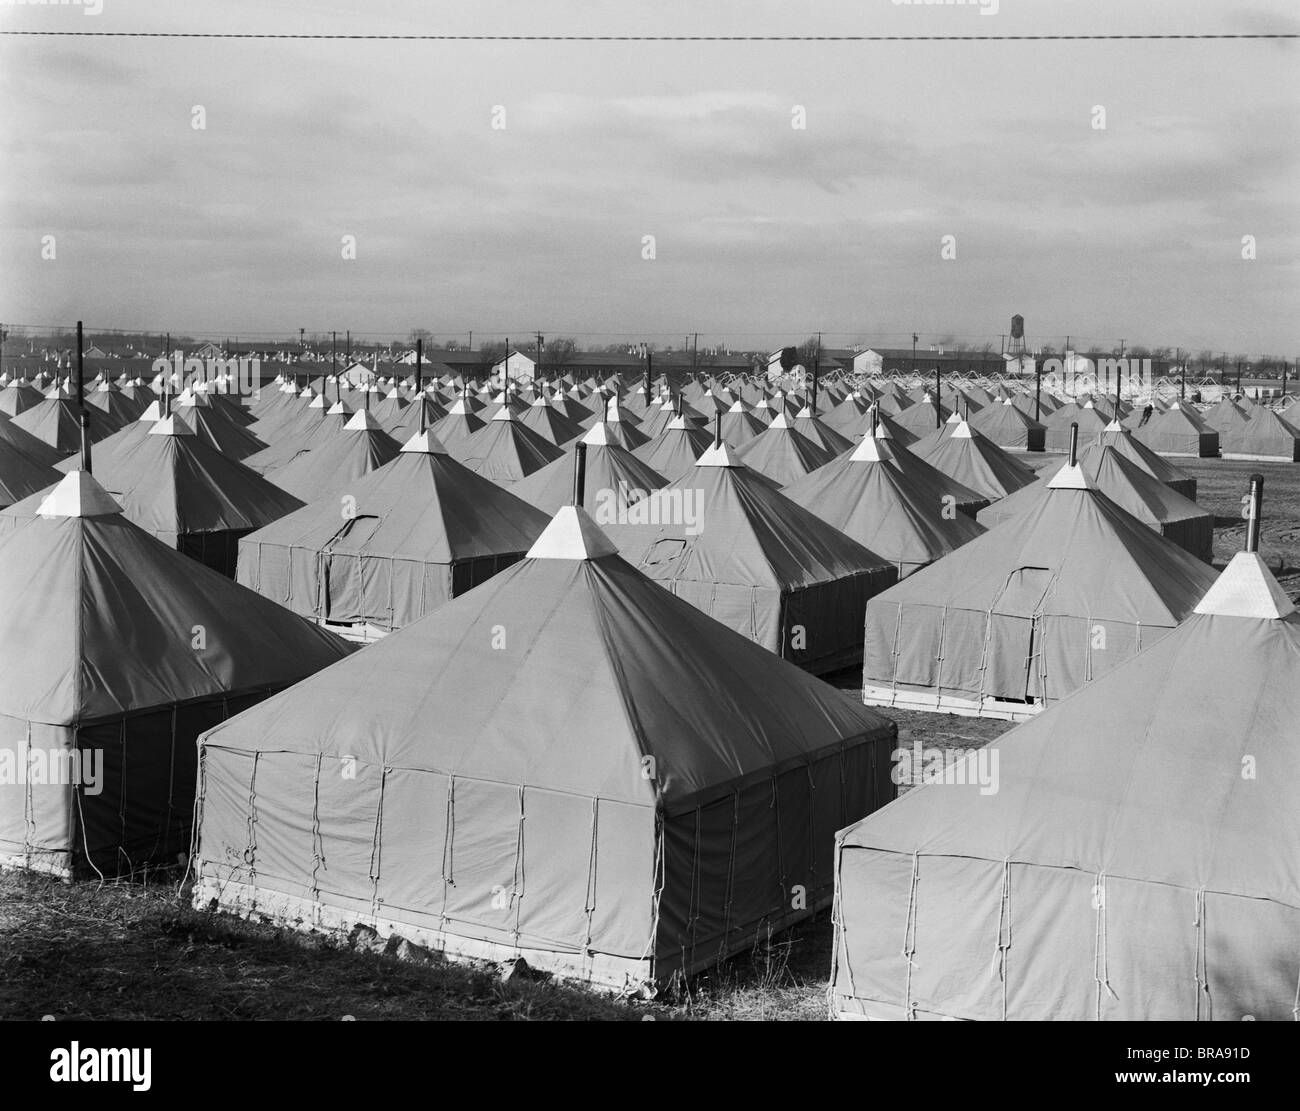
(78, 495)
(597, 435)
(572, 535)
(962, 431)
(1114, 426)
(737, 406)
(170, 426)
(503, 413)
(779, 420)
(338, 409)
(424, 443)
(678, 422)
(718, 455)
(868, 451)
(1070, 478)
(1246, 589)
(152, 412)
(362, 421)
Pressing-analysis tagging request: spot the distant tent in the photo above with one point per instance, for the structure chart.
(1225, 415)
(213, 423)
(550, 422)
(739, 425)
(724, 539)
(184, 492)
(505, 451)
(782, 453)
(1087, 416)
(615, 477)
(1266, 436)
(565, 765)
(55, 421)
(79, 585)
(333, 466)
(1179, 430)
(17, 397)
(675, 450)
(1123, 441)
(901, 519)
(1009, 428)
(1130, 487)
(454, 430)
(1031, 610)
(821, 434)
(977, 463)
(845, 417)
(919, 420)
(1125, 867)
(417, 532)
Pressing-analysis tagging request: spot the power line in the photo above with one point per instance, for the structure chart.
(347, 37)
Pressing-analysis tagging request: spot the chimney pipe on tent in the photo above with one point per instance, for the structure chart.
(419, 390)
(81, 387)
(717, 429)
(1256, 504)
(579, 472)
(875, 419)
(938, 397)
(1074, 443)
(85, 441)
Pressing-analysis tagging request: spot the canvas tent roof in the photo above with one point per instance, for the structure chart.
(1123, 836)
(425, 529)
(363, 446)
(1010, 620)
(77, 578)
(1133, 490)
(1264, 436)
(1123, 441)
(901, 519)
(614, 476)
(977, 463)
(725, 539)
(782, 453)
(608, 717)
(1179, 430)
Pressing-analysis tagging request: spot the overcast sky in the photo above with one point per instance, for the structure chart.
(763, 232)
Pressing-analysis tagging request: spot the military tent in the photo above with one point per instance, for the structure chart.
(409, 537)
(566, 765)
(1111, 859)
(1031, 610)
(117, 652)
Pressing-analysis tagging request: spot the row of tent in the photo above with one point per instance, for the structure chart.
(618, 787)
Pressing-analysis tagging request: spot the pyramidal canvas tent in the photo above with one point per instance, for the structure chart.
(97, 742)
(1030, 611)
(363, 446)
(1009, 428)
(675, 450)
(184, 492)
(1266, 436)
(20, 476)
(902, 519)
(1133, 490)
(505, 450)
(615, 477)
(1125, 867)
(399, 542)
(1122, 440)
(781, 453)
(1179, 430)
(567, 764)
(976, 462)
(726, 540)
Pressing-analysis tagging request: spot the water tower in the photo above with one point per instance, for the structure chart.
(1017, 348)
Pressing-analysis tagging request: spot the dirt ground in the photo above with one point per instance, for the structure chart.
(134, 951)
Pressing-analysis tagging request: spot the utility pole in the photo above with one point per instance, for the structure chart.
(914, 341)
(539, 358)
(1182, 375)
